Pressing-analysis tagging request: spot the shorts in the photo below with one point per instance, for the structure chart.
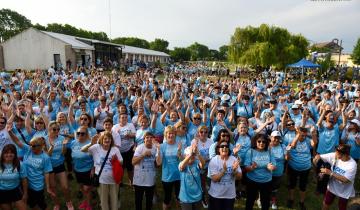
(168, 188)
(127, 159)
(293, 176)
(83, 177)
(11, 196)
(58, 169)
(36, 198)
(329, 199)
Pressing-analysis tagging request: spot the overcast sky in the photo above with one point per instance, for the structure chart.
(210, 22)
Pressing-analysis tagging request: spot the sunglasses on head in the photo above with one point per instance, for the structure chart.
(36, 145)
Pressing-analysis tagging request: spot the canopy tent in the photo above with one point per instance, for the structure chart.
(303, 63)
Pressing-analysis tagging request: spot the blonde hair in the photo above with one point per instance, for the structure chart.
(202, 127)
(37, 140)
(168, 129)
(106, 134)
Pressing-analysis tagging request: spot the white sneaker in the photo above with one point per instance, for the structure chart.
(204, 204)
(274, 206)
(258, 202)
(155, 199)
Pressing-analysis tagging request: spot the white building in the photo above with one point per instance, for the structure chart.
(35, 49)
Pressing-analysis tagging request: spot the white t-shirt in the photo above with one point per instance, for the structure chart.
(225, 188)
(102, 116)
(37, 111)
(98, 154)
(145, 171)
(126, 143)
(347, 169)
(204, 147)
(4, 139)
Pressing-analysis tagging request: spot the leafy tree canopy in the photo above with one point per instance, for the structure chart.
(12, 23)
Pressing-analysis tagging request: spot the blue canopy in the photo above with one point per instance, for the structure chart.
(303, 63)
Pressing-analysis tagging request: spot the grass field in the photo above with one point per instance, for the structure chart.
(313, 202)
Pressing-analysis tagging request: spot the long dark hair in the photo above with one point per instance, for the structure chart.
(15, 162)
(260, 136)
(219, 135)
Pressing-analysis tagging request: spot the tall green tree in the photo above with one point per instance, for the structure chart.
(356, 53)
(132, 41)
(266, 45)
(180, 54)
(159, 45)
(12, 23)
(223, 52)
(198, 51)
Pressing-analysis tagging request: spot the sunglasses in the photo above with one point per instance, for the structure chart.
(56, 129)
(203, 132)
(103, 100)
(225, 136)
(266, 104)
(224, 146)
(197, 118)
(39, 123)
(2, 122)
(36, 145)
(264, 142)
(85, 119)
(291, 124)
(80, 133)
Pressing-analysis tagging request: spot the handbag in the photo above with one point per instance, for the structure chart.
(95, 180)
(117, 170)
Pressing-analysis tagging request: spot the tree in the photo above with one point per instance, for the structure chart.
(159, 45)
(356, 53)
(223, 52)
(12, 23)
(198, 51)
(265, 46)
(132, 41)
(180, 54)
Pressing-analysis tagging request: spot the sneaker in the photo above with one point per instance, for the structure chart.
(155, 199)
(290, 204)
(258, 202)
(302, 206)
(56, 207)
(83, 205)
(69, 206)
(204, 204)
(274, 206)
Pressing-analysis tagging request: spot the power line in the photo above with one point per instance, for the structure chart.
(110, 19)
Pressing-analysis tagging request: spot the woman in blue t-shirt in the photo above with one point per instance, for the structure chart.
(259, 164)
(169, 157)
(13, 183)
(190, 178)
(299, 164)
(83, 164)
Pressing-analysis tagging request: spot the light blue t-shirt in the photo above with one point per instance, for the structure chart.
(36, 167)
(328, 139)
(279, 152)
(355, 148)
(170, 162)
(83, 161)
(57, 158)
(190, 184)
(245, 144)
(10, 178)
(260, 174)
(139, 137)
(300, 156)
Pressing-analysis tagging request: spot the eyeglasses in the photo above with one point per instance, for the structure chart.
(36, 145)
(56, 129)
(80, 133)
(224, 146)
(85, 119)
(263, 142)
(197, 118)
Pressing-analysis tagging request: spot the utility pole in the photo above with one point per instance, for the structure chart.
(340, 53)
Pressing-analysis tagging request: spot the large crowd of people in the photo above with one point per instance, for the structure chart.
(212, 141)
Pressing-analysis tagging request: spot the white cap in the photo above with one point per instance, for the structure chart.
(225, 97)
(298, 102)
(294, 106)
(355, 121)
(275, 133)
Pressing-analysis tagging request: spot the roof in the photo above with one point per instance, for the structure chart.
(137, 50)
(71, 40)
(331, 45)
